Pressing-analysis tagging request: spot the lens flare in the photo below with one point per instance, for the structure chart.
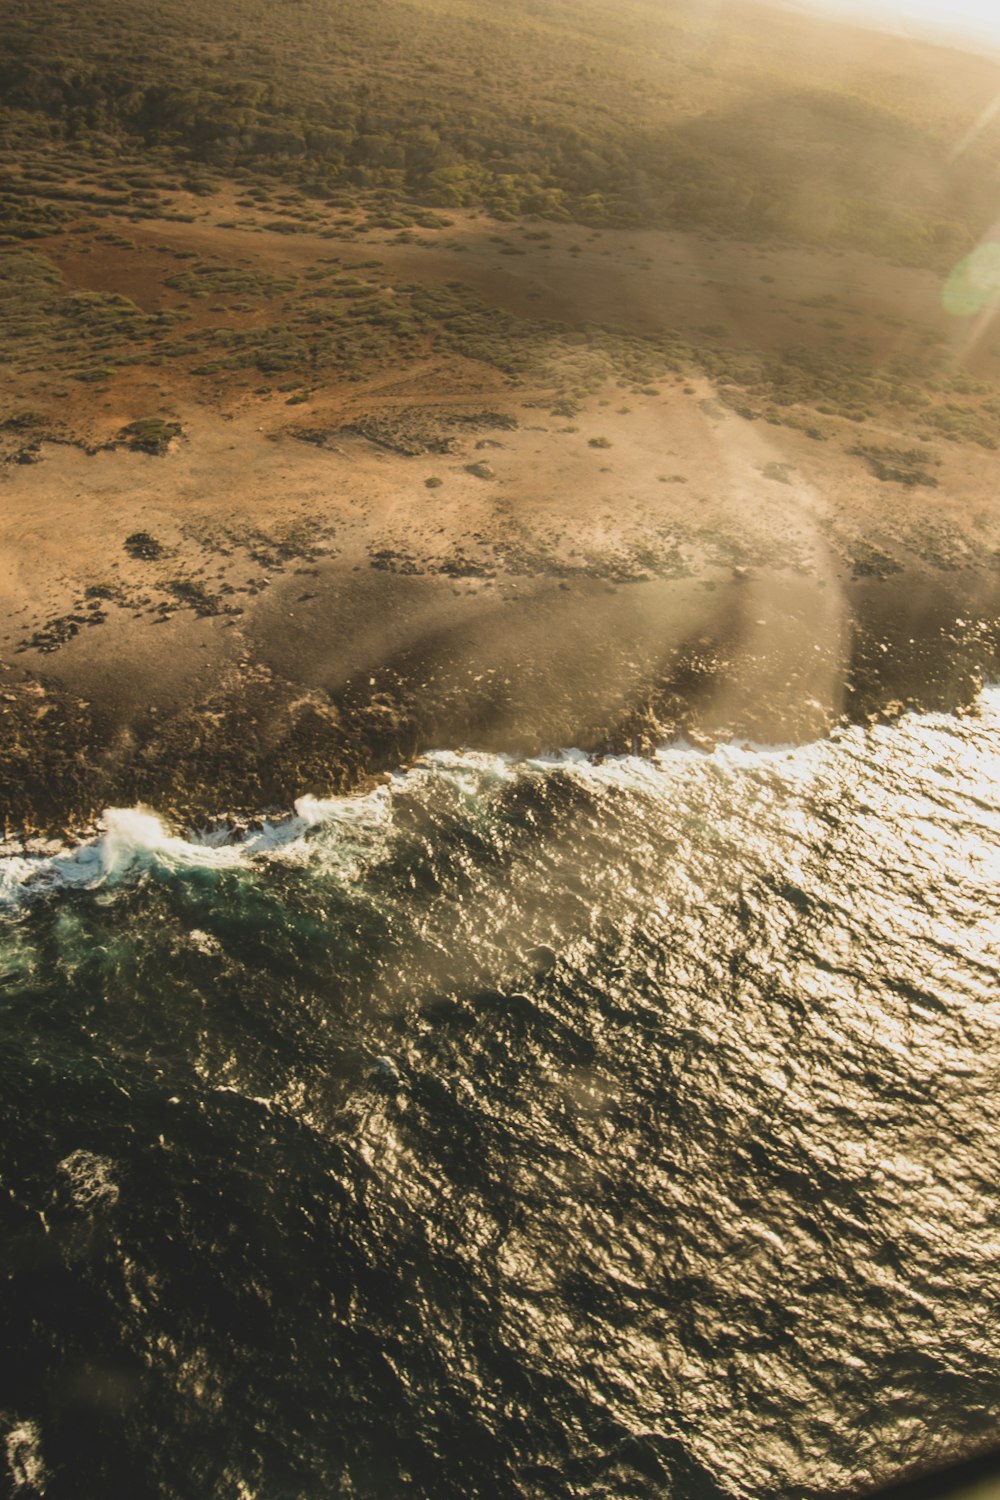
(974, 284)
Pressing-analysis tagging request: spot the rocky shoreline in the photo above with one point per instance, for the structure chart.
(593, 667)
(242, 617)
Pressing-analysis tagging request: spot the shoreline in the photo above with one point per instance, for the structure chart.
(257, 612)
(228, 837)
(604, 669)
(251, 618)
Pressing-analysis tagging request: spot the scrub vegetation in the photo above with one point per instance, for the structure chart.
(324, 121)
(568, 109)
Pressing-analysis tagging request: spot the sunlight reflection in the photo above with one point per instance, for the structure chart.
(988, 115)
(974, 284)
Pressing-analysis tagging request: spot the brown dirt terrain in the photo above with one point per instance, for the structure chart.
(761, 297)
(298, 592)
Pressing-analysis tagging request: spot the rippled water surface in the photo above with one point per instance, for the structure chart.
(541, 1129)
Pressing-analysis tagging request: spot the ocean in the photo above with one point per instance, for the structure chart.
(529, 1128)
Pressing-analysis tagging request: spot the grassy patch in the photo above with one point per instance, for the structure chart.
(908, 466)
(150, 435)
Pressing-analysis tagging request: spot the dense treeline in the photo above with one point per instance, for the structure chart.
(562, 110)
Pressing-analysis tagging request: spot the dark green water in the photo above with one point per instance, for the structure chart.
(526, 1130)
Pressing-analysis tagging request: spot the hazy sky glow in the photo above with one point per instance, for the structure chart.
(971, 19)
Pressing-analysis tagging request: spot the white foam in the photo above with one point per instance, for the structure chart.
(133, 839)
(372, 809)
(343, 830)
(131, 836)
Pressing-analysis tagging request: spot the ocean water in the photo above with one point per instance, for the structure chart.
(528, 1129)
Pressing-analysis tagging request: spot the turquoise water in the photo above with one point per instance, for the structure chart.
(518, 1129)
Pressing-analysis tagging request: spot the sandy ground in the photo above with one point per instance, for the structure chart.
(293, 616)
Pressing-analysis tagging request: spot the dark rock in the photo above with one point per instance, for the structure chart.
(143, 547)
(542, 958)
